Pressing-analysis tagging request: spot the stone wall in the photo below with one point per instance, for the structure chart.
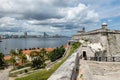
(68, 70)
(88, 51)
(94, 38)
(113, 44)
(110, 41)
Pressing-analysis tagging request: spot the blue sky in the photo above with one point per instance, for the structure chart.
(64, 17)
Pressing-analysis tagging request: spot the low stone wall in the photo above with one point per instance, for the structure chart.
(105, 59)
(68, 70)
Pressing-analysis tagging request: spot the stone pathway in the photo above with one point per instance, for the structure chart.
(105, 70)
(4, 74)
(84, 71)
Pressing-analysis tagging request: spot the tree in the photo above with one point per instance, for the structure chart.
(13, 61)
(13, 56)
(38, 63)
(43, 54)
(34, 54)
(57, 53)
(2, 63)
(22, 57)
(13, 53)
(39, 60)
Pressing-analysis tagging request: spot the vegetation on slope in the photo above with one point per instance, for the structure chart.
(45, 74)
(2, 62)
(57, 53)
(74, 47)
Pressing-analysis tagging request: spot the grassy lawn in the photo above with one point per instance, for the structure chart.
(45, 74)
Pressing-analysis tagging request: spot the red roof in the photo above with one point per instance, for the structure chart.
(7, 57)
(29, 51)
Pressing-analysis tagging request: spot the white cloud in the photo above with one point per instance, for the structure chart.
(81, 14)
(105, 8)
(45, 15)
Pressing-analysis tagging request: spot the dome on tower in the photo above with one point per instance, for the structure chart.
(104, 25)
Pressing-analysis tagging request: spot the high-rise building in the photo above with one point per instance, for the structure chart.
(45, 35)
(25, 34)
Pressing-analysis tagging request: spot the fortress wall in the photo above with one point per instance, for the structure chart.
(114, 44)
(88, 50)
(67, 71)
(103, 41)
(118, 39)
(110, 41)
(94, 38)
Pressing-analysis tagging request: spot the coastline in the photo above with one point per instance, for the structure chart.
(29, 43)
(28, 51)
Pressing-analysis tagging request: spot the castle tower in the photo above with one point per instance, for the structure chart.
(104, 25)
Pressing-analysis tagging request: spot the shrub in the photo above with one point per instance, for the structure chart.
(57, 53)
(25, 70)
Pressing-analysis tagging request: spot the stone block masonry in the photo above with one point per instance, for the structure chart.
(109, 39)
(68, 70)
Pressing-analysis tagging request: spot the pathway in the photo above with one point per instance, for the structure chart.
(105, 70)
(4, 74)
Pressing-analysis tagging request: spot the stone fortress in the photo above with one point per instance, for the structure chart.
(101, 42)
(103, 46)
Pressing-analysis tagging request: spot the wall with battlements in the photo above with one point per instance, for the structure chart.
(109, 39)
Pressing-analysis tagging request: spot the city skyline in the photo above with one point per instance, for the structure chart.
(57, 16)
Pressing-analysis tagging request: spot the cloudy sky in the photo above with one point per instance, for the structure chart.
(57, 16)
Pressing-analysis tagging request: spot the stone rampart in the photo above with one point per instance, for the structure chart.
(68, 70)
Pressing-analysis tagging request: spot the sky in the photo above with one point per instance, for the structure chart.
(63, 17)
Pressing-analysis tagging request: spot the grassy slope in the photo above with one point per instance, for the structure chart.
(45, 74)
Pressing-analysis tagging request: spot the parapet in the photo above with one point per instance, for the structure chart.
(67, 71)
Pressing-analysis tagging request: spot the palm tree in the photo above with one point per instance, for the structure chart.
(13, 57)
(13, 53)
(43, 53)
(39, 58)
(13, 61)
(22, 57)
(34, 54)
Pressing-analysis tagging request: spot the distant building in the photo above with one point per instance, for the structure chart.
(45, 35)
(25, 34)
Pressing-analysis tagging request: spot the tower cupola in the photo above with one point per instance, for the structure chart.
(104, 25)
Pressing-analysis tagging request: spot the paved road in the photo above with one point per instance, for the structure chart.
(4, 74)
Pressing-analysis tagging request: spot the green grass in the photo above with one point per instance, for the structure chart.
(74, 47)
(45, 74)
